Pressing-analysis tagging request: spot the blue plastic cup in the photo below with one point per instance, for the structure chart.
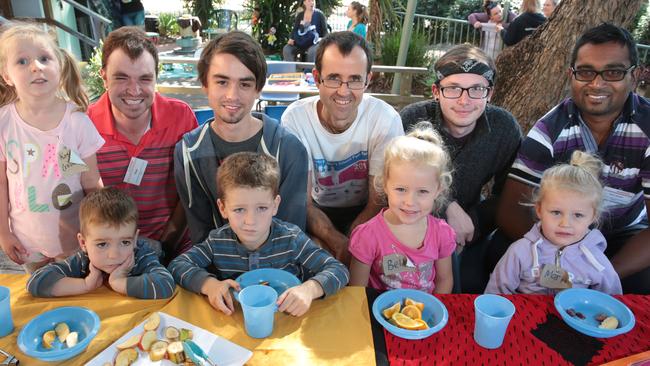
(493, 314)
(6, 322)
(259, 305)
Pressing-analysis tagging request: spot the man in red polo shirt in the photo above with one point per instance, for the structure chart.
(141, 128)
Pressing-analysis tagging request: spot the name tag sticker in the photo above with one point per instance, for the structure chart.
(615, 197)
(396, 263)
(70, 163)
(554, 277)
(135, 172)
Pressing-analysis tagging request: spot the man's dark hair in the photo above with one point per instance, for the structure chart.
(132, 40)
(240, 45)
(604, 33)
(345, 41)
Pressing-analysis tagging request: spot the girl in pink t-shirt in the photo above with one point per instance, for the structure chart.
(47, 147)
(404, 246)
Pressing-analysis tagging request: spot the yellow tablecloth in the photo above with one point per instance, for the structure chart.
(336, 330)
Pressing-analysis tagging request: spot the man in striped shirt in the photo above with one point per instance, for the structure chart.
(604, 117)
(248, 198)
(141, 128)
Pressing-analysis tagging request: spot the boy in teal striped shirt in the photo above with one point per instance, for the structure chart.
(247, 184)
(110, 253)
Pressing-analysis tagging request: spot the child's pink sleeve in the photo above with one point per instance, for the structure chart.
(362, 245)
(88, 139)
(446, 239)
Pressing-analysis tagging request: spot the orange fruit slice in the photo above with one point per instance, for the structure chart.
(405, 322)
(412, 312)
(422, 324)
(410, 301)
(388, 312)
(48, 339)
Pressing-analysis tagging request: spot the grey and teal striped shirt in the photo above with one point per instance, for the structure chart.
(286, 248)
(148, 278)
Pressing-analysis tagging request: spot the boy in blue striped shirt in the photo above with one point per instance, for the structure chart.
(247, 184)
(110, 252)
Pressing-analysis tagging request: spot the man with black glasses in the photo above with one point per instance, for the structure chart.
(345, 133)
(604, 117)
(482, 141)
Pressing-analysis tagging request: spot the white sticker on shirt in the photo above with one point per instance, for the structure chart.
(613, 197)
(135, 172)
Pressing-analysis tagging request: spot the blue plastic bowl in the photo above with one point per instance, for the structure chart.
(81, 320)
(434, 313)
(278, 279)
(592, 303)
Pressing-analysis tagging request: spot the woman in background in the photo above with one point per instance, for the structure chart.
(309, 27)
(358, 15)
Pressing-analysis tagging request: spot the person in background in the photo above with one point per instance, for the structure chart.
(549, 6)
(493, 12)
(309, 27)
(132, 13)
(110, 250)
(358, 15)
(524, 25)
(562, 250)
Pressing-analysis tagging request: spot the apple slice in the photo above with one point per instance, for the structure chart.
(158, 351)
(71, 339)
(152, 322)
(62, 330)
(186, 334)
(172, 333)
(148, 338)
(130, 343)
(126, 357)
(48, 339)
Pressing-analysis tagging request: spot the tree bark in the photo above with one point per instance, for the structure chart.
(375, 25)
(533, 76)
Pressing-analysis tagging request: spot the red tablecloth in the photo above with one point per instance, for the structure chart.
(536, 335)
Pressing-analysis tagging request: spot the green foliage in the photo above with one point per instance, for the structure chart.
(90, 74)
(457, 9)
(417, 56)
(279, 14)
(168, 26)
(460, 9)
(641, 28)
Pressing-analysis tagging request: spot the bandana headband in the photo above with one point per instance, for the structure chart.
(468, 66)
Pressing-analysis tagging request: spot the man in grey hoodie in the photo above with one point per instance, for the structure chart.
(232, 71)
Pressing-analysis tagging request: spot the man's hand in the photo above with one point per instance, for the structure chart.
(117, 278)
(218, 293)
(297, 300)
(13, 248)
(462, 224)
(337, 244)
(95, 278)
(478, 25)
(291, 42)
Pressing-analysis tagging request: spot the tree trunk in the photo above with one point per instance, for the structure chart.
(375, 26)
(533, 75)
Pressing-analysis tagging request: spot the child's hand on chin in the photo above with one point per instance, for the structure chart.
(117, 278)
(95, 278)
(218, 293)
(297, 300)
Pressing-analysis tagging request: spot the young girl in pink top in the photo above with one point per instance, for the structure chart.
(404, 246)
(47, 147)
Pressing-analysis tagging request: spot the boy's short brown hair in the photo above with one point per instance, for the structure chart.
(248, 170)
(107, 206)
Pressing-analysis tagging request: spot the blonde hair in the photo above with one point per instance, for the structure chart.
(529, 6)
(70, 80)
(581, 175)
(422, 145)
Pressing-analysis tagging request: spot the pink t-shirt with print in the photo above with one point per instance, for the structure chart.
(393, 264)
(44, 180)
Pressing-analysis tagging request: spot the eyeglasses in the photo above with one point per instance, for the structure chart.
(351, 84)
(607, 75)
(474, 92)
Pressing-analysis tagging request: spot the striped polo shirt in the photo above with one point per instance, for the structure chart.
(626, 155)
(156, 196)
(286, 248)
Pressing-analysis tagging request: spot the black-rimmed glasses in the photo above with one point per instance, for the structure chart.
(351, 84)
(474, 92)
(607, 74)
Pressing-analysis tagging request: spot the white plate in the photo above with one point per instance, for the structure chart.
(221, 351)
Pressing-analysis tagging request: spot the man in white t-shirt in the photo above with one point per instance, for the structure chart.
(345, 133)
